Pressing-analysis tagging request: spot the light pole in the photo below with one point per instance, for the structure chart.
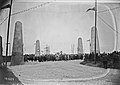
(9, 48)
(10, 6)
(94, 9)
(95, 26)
(4, 7)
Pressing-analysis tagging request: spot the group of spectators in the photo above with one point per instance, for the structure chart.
(52, 57)
(106, 60)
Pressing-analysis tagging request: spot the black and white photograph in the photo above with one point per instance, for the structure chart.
(59, 42)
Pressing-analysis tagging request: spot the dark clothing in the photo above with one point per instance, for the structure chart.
(105, 61)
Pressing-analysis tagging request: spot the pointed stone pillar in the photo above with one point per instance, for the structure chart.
(92, 47)
(37, 48)
(17, 50)
(80, 46)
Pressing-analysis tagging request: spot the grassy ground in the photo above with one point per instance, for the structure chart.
(56, 70)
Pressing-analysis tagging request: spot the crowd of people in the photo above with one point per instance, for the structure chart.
(52, 57)
(106, 60)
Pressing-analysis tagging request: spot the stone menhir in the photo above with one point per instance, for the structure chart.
(92, 46)
(37, 48)
(17, 50)
(1, 57)
(80, 46)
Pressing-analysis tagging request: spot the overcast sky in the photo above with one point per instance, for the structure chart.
(59, 25)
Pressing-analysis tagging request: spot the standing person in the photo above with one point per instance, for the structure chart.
(119, 60)
(115, 60)
(105, 60)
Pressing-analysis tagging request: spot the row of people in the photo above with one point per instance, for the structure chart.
(52, 57)
(111, 60)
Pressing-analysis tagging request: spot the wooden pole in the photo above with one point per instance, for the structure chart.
(95, 28)
(8, 32)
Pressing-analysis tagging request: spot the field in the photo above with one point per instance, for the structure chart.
(59, 70)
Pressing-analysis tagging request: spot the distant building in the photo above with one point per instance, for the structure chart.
(92, 45)
(37, 48)
(47, 49)
(17, 50)
(80, 46)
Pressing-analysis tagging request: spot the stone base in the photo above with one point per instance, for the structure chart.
(17, 60)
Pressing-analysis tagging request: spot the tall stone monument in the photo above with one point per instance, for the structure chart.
(1, 57)
(80, 46)
(37, 48)
(17, 49)
(92, 47)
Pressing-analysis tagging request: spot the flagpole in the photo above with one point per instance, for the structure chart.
(8, 32)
